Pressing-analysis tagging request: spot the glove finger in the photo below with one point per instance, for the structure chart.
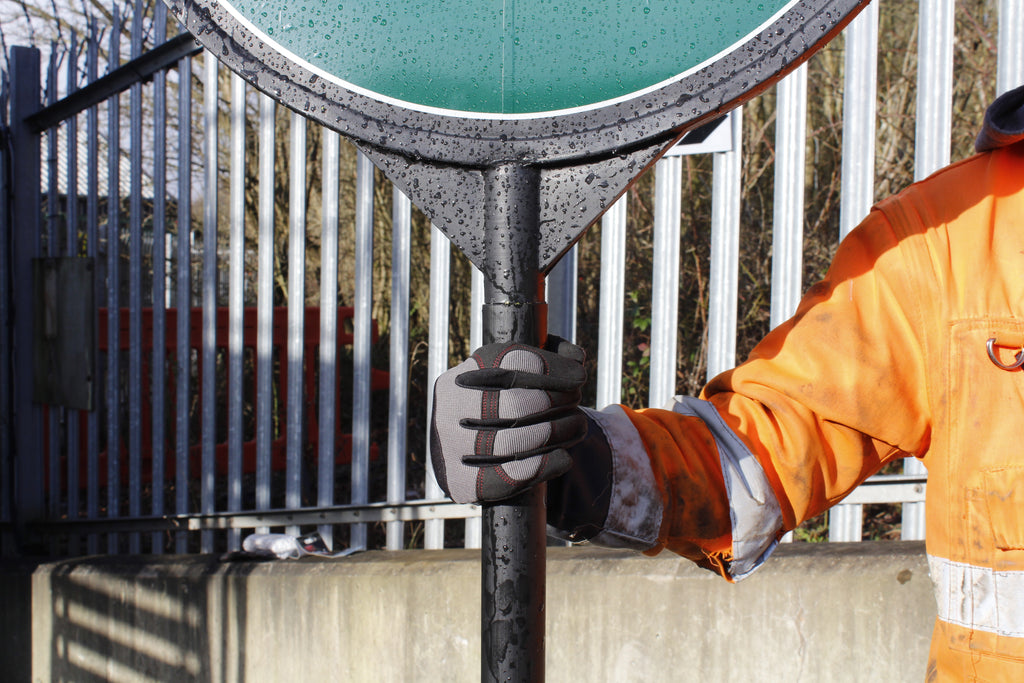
(504, 481)
(532, 363)
(516, 407)
(566, 349)
(548, 415)
(521, 443)
(497, 379)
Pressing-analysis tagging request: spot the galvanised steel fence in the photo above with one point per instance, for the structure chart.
(166, 384)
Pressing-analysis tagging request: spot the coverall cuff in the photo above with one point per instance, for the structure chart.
(634, 507)
(753, 508)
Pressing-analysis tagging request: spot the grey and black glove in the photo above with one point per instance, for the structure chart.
(504, 419)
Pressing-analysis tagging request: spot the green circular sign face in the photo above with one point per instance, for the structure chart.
(504, 58)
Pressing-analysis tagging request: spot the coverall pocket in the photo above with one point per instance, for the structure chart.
(1004, 501)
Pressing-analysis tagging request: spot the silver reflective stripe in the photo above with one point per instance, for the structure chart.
(979, 598)
(753, 507)
(635, 510)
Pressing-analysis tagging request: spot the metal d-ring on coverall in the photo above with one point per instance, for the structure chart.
(888, 357)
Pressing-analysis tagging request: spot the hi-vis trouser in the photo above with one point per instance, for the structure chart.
(909, 347)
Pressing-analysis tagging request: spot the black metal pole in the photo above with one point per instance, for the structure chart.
(513, 554)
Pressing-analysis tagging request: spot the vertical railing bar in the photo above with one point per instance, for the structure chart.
(113, 289)
(209, 349)
(931, 152)
(665, 285)
(437, 362)
(845, 522)
(787, 244)
(328, 326)
(361, 342)
(92, 504)
(135, 289)
(787, 238)
(561, 296)
(398, 395)
(52, 171)
(935, 87)
(158, 375)
(183, 299)
(858, 159)
(723, 279)
(473, 532)
(560, 290)
(476, 299)
(613, 284)
(1010, 51)
(265, 305)
(26, 193)
(55, 413)
(236, 293)
(296, 304)
(71, 242)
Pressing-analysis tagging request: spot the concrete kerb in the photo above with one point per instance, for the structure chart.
(835, 612)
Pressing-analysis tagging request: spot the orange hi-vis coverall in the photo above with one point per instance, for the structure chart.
(888, 357)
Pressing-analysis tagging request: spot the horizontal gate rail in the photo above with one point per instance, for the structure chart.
(139, 70)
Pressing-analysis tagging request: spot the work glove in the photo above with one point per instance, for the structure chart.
(504, 419)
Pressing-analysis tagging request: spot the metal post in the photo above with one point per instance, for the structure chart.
(27, 432)
(512, 637)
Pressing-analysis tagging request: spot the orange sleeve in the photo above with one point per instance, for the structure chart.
(823, 402)
(840, 389)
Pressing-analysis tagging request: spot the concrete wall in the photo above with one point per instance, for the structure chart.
(834, 612)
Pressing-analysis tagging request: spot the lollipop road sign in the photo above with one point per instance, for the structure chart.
(513, 124)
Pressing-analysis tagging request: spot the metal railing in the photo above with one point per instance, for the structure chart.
(136, 213)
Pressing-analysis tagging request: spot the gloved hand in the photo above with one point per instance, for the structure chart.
(504, 418)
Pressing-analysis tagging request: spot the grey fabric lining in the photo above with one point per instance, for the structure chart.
(753, 508)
